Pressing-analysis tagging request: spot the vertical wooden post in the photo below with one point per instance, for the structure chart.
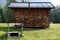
(8, 29)
(22, 29)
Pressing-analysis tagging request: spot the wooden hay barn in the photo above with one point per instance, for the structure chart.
(32, 14)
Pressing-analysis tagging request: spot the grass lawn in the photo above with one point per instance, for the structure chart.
(52, 33)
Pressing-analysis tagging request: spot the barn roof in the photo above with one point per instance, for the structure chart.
(31, 5)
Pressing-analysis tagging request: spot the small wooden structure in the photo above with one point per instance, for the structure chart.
(32, 14)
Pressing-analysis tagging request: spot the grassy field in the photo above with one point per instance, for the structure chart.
(52, 33)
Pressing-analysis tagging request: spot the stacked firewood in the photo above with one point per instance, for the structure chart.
(45, 21)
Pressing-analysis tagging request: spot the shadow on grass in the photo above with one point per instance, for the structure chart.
(5, 29)
(33, 28)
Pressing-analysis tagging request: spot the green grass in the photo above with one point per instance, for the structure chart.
(52, 33)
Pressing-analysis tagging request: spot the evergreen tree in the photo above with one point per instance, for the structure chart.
(2, 15)
(55, 15)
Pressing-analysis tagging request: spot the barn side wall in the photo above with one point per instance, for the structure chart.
(32, 17)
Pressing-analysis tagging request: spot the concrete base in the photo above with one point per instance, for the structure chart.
(13, 34)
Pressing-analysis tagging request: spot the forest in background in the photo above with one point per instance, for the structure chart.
(55, 15)
(6, 14)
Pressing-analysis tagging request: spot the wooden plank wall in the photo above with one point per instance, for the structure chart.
(33, 17)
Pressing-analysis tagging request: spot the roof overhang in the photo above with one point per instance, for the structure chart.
(31, 5)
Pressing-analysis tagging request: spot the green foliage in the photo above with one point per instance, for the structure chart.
(8, 12)
(9, 16)
(2, 18)
(55, 15)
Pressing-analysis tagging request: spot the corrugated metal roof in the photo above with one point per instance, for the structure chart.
(18, 5)
(31, 5)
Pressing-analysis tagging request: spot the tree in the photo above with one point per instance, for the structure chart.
(55, 15)
(8, 12)
(2, 15)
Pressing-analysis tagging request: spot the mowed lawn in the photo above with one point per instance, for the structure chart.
(52, 33)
